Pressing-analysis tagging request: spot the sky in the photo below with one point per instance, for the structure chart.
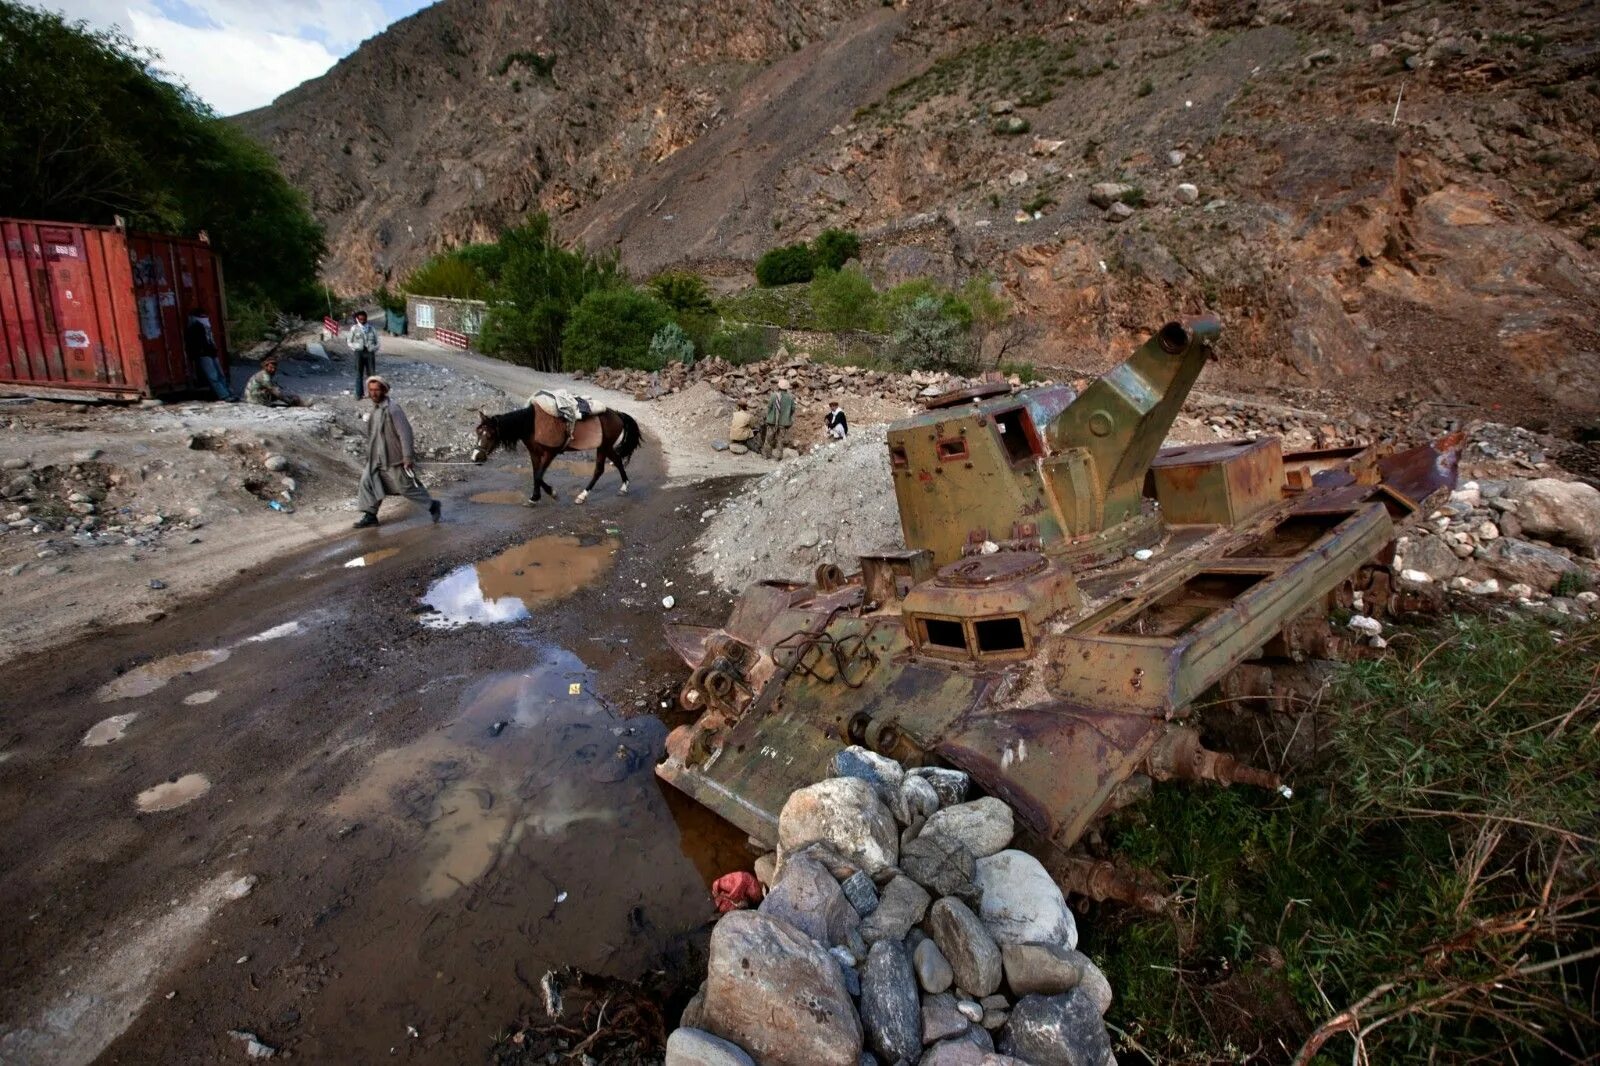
(240, 54)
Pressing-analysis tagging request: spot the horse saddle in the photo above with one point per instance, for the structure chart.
(576, 412)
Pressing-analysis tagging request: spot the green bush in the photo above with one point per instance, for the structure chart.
(448, 276)
(613, 327)
(88, 131)
(843, 299)
(928, 337)
(897, 302)
(539, 284)
(682, 291)
(671, 345)
(740, 344)
(392, 300)
(788, 264)
(833, 248)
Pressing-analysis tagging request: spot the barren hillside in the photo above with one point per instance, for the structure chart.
(1390, 197)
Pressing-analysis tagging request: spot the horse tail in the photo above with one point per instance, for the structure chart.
(630, 439)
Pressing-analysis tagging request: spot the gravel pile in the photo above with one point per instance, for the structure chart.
(829, 505)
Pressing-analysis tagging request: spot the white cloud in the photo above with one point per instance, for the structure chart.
(238, 54)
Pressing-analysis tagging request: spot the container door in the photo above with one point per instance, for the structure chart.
(67, 292)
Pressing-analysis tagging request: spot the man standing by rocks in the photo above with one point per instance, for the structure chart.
(391, 458)
(741, 429)
(263, 388)
(199, 345)
(838, 425)
(780, 417)
(364, 346)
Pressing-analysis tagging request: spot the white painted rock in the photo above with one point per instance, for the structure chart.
(846, 814)
(1022, 903)
(984, 826)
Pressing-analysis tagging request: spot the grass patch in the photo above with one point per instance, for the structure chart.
(1438, 876)
(1027, 69)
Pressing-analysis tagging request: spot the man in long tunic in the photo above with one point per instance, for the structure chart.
(780, 417)
(391, 458)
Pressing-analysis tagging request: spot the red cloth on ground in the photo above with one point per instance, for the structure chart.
(736, 891)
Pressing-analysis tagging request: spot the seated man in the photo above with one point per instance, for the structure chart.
(742, 430)
(263, 387)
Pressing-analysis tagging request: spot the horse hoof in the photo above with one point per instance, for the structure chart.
(624, 490)
(580, 497)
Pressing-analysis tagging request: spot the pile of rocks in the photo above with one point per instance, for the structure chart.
(1533, 541)
(810, 382)
(74, 498)
(899, 928)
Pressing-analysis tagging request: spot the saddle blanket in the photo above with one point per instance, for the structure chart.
(564, 404)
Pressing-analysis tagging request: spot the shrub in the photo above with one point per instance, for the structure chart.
(928, 337)
(895, 303)
(671, 345)
(448, 275)
(739, 344)
(613, 327)
(1146, 87)
(833, 248)
(682, 291)
(391, 300)
(788, 264)
(843, 299)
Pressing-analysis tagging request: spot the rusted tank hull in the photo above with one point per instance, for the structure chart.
(1060, 686)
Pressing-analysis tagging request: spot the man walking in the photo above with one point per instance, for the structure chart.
(391, 458)
(199, 345)
(780, 416)
(364, 346)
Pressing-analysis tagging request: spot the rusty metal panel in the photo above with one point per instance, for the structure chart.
(1220, 484)
(72, 320)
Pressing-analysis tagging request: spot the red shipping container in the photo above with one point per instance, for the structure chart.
(92, 311)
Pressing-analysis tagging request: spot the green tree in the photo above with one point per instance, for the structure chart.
(540, 284)
(449, 275)
(613, 327)
(898, 301)
(843, 299)
(89, 132)
(682, 291)
(833, 248)
(789, 264)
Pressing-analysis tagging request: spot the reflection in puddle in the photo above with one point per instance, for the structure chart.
(108, 730)
(143, 680)
(205, 695)
(536, 790)
(504, 588)
(287, 629)
(372, 558)
(171, 794)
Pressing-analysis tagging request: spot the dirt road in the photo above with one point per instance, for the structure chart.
(312, 809)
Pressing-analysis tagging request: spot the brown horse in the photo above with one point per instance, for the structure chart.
(612, 434)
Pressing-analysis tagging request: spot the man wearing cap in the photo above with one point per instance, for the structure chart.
(741, 429)
(263, 387)
(780, 416)
(391, 458)
(363, 341)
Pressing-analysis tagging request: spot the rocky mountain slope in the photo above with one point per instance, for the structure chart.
(1390, 197)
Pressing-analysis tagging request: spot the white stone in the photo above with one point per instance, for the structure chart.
(1365, 624)
(846, 814)
(1187, 193)
(1415, 577)
(1022, 903)
(984, 826)
(1563, 512)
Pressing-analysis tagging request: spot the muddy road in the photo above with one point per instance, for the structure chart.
(359, 802)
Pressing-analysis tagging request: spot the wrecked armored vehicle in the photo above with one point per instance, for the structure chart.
(1067, 590)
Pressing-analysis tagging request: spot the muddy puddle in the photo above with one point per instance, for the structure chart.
(537, 797)
(372, 558)
(109, 730)
(143, 680)
(506, 587)
(503, 498)
(170, 795)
